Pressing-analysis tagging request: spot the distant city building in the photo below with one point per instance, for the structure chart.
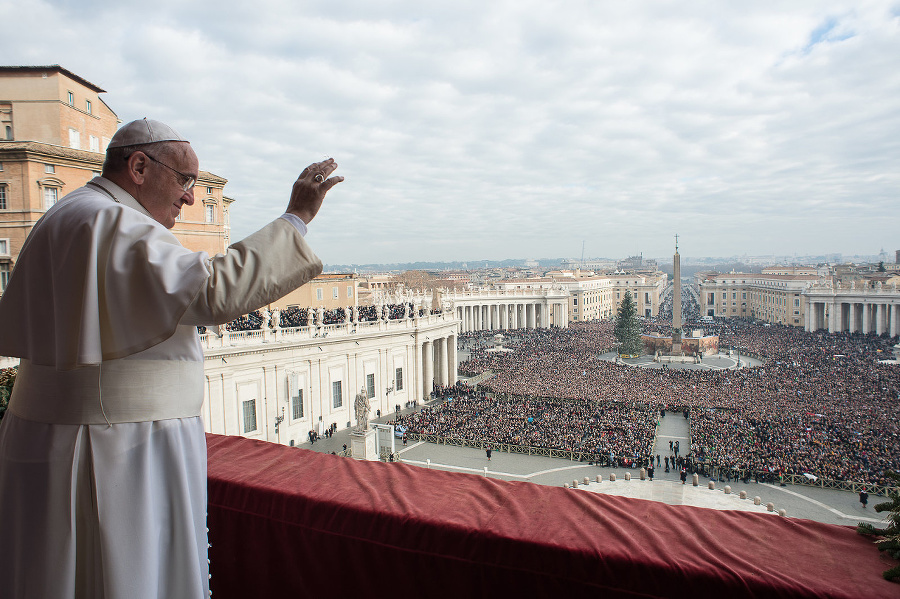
(595, 264)
(631, 263)
(593, 296)
(790, 270)
(774, 298)
(328, 291)
(846, 298)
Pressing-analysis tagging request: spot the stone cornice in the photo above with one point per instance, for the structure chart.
(39, 151)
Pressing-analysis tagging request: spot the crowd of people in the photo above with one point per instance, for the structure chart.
(820, 404)
(294, 316)
(606, 431)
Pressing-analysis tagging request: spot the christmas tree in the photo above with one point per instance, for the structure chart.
(888, 537)
(628, 330)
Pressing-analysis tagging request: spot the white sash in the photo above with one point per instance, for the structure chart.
(130, 391)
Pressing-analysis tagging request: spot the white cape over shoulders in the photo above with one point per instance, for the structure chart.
(102, 450)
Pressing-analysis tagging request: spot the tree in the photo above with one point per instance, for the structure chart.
(627, 329)
(888, 538)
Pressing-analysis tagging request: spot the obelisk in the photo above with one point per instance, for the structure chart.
(676, 302)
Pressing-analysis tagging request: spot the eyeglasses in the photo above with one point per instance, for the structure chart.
(188, 180)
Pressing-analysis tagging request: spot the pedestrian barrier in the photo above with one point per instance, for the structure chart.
(720, 473)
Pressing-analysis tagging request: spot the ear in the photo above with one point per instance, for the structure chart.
(136, 167)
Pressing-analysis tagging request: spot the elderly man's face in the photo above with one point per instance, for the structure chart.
(162, 193)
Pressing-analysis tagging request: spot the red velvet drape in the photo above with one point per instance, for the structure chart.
(288, 522)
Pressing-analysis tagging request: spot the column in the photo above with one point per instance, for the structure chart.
(504, 317)
(476, 311)
(832, 317)
(515, 317)
(895, 326)
(420, 374)
(428, 369)
(853, 323)
(451, 360)
(865, 311)
(879, 319)
(808, 317)
(440, 361)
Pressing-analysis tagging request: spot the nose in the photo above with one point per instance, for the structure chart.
(188, 197)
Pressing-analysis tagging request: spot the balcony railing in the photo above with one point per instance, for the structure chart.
(329, 331)
(289, 522)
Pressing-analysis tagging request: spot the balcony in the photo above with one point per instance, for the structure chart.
(288, 522)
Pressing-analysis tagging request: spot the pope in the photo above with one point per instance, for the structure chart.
(102, 449)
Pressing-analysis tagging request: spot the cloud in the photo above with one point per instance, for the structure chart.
(517, 129)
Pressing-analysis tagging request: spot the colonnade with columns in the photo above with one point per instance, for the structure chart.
(501, 310)
(282, 387)
(854, 312)
(438, 363)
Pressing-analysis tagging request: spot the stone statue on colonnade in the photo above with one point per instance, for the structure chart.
(361, 406)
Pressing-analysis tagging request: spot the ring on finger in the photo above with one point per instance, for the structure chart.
(319, 178)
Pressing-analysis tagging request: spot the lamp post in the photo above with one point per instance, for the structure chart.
(279, 420)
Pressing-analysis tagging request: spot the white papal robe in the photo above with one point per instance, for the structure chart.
(102, 450)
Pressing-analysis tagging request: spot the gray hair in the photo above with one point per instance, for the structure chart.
(117, 157)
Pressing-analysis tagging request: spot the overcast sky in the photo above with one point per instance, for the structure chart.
(517, 129)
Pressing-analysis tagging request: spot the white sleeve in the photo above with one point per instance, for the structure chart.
(254, 272)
